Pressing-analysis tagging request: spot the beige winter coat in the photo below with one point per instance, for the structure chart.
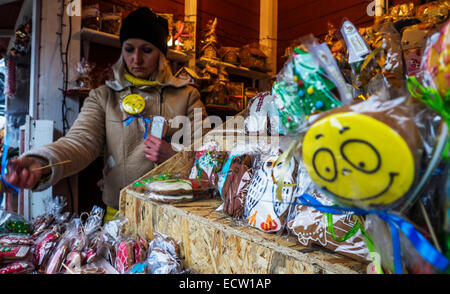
(99, 128)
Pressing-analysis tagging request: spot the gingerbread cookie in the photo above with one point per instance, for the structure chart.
(365, 155)
(234, 189)
(179, 190)
(124, 256)
(313, 227)
(207, 163)
(263, 209)
(260, 116)
(20, 267)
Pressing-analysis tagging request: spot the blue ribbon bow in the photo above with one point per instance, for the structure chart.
(425, 249)
(4, 164)
(130, 119)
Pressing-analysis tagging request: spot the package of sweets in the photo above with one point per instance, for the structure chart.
(208, 162)
(234, 189)
(263, 209)
(365, 155)
(342, 234)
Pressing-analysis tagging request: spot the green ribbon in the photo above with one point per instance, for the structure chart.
(357, 227)
(432, 99)
(345, 237)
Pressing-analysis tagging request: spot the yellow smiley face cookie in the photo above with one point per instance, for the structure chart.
(133, 104)
(358, 160)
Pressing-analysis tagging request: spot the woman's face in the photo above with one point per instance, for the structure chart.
(141, 57)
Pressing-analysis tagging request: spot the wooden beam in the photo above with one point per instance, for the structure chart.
(35, 50)
(190, 12)
(268, 31)
(6, 33)
(51, 78)
(3, 2)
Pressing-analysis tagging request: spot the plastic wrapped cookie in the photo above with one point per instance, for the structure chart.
(235, 184)
(207, 163)
(263, 209)
(366, 155)
(339, 233)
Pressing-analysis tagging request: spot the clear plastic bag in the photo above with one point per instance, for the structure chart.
(85, 79)
(302, 89)
(43, 248)
(12, 223)
(104, 243)
(261, 116)
(94, 220)
(164, 255)
(366, 155)
(263, 209)
(339, 233)
(179, 190)
(208, 162)
(237, 175)
(125, 255)
(18, 267)
(54, 215)
(412, 261)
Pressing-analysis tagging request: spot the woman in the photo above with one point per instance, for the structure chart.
(142, 69)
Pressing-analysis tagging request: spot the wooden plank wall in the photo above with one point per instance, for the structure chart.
(300, 17)
(238, 21)
(297, 18)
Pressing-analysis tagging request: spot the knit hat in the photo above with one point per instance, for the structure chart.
(146, 25)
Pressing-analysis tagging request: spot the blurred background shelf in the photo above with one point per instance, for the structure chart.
(90, 35)
(235, 70)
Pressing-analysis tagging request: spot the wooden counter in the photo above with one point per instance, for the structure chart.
(213, 242)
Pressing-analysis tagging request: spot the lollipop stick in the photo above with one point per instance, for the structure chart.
(50, 165)
(430, 228)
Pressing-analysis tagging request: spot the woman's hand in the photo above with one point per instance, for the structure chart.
(21, 173)
(157, 150)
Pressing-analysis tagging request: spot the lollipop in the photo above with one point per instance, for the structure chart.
(437, 62)
(302, 90)
(133, 104)
(365, 158)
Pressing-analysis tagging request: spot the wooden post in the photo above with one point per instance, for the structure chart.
(268, 31)
(35, 49)
(51, 79)
(190, 12)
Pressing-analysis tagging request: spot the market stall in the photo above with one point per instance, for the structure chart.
(326, 149)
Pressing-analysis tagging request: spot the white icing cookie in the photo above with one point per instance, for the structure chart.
(169, 185)
(164, 198)
(263, 209)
